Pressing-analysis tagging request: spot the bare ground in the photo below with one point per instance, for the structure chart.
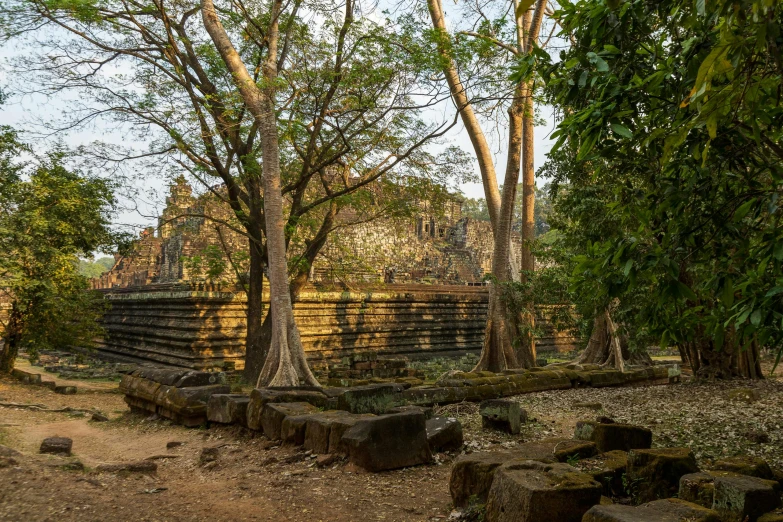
(255, 479)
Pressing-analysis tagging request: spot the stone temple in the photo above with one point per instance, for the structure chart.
(398, 287)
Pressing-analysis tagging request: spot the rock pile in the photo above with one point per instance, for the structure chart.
(366, 368)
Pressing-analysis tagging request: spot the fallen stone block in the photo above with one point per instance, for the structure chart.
(324, 431)
(427, 411)
(666, 510)
(655, 473)
(49, 384)
(614, 436)
(260, 397)
(166, 376)
(373, 398)
(747, 395)
(556, 450)
(144, 466)
(229, 408)
(388, 442)
(293, 429)
(444, 434)
(57, 446)
(472, 475)
(698, 488)
(745, 465)
(533, 491)
(187, 406)
(744, 498)
(194, 378)
(607, 469)
(65, 390)
(275, 412)
(501, 414)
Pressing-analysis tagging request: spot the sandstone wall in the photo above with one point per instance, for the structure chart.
(204, 327)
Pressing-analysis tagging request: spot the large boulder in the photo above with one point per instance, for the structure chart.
(260, 397)
(501, 414)
(532, 491)
(666, 510)
(609, 437)
(744, 498)
(388, 442)
(655, 473)
(444, 434)
(275, 412)
(228, 408)
(373, 398)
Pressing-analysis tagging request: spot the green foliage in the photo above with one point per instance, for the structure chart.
(49, 216)
(210, 264)
(90, 269)
(671, 143)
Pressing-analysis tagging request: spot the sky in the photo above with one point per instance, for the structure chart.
(145, 200)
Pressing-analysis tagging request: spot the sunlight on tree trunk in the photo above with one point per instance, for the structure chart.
(286, 364)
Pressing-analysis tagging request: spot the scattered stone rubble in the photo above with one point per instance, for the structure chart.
(366, 368)
(534, 483)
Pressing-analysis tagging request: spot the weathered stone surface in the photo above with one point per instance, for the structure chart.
(742, 498)
(99, 417)
(444, 434)
(5, 451)
(655, 473)
(323, 461)
(501, 414)
(607, 469)
(57, 446)
(745, 465)
(698, 488)
(166, 376)
(747, 395)
(532, 491)
(324, 431)
(193, 378)
(144, 466)
(427, 411)
(666, 510)
(771, 517)
(275, 412)
(373, 398)
(556, 449)
(208, 454)
(293, 429)
(613, 436)
(388, 442)
(229, 408)
(260, 397)
(187, 406)
(65, 390)
(471, 475)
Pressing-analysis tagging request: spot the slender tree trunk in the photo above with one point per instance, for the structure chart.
(10, 348)
(285, 364)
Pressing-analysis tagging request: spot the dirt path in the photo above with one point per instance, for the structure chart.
(255, 479)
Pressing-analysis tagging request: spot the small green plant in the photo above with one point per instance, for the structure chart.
(476, 511)
(573, 459)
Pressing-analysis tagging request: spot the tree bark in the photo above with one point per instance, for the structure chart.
(259, 325)
(607, 348)
(10, 348)
(285, 364)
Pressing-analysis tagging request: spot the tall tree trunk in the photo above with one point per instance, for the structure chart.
(286, 364)
(13, 333)
(607, 348)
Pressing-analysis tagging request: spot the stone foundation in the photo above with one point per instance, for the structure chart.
(204, 327)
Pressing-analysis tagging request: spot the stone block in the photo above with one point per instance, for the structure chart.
(533, 491)
(747, 395)
(388, 442)
(324, 431)
(607, 469)
(426, 410)
(744, 498)
(655, 473)
(472, 475)
(666, 510)
(501, 414)
(609, 437)
(144, 389)
(193, 378)
(65, 390)
(444, 434)
(373, 398)
(745, 465)
(260, 397)
(228, 408)
(166, 376)
(293, 429)
(698, 488)
(555, 450)
(56, 446)
(187, 402)
(275, 412)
